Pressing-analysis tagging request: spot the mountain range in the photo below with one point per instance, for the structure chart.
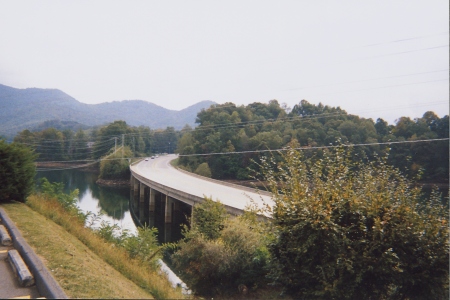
(29, 108)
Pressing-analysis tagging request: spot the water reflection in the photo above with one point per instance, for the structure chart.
(170, 225)
(112, 202)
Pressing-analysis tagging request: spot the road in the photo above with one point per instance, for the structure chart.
(161, 171)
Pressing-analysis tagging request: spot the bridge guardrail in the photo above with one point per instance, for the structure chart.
(179, 195)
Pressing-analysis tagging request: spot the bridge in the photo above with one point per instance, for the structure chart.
(161, 193)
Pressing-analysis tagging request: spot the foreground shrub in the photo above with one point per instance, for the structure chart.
(17, 171)
(349, 231)
(218, 254)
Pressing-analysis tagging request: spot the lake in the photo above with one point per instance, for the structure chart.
(112, 202)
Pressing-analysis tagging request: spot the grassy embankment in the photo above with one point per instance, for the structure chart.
(82, 262)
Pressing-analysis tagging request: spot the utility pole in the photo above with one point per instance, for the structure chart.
(122, 143)
(115, 144)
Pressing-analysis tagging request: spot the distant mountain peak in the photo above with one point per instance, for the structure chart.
(27, 108)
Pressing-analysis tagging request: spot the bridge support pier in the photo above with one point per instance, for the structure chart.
(168, 210)
(141, 213)
(151, 208)
(155, 208)
(168, 219)
(135, 194)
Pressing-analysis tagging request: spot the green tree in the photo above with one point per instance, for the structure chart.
(51, 144)
(69, 145)
(114, 166)
(347, 230)
(81, 150)
(17, 171)
(106, 136)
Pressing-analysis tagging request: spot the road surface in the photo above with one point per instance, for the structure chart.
(161, 171)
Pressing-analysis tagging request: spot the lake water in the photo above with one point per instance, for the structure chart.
(112, 202)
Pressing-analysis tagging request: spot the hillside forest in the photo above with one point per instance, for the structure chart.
(258, 127)
(251, 131)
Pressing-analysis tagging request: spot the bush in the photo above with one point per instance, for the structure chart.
(17, 171)
(203, 170)
(68, 201)
(142, 246)
(219, 254)
(355, 231)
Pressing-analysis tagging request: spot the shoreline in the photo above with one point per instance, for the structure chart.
(118, 183)
(85, 166)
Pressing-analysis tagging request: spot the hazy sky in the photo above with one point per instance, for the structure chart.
(373, 58)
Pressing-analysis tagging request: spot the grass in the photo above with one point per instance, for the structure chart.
(78, 270)
(72, 276)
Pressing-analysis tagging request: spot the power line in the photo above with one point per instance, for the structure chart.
(241, 152)
(300, 118)
(365, 80)
(388, 86)
(405, 39)
(286, 119)
(66, 168)
(314, 148)
(404, 52)
(230, 125)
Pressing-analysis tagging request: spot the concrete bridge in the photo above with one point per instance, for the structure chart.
(162, 194)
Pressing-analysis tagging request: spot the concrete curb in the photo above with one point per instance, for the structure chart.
(45, 283)
(4, 236)
(21, 269)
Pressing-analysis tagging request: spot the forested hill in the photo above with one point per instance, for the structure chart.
(29, 108)
(258, 127)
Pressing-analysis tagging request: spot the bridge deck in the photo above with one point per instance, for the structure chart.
(160, 171)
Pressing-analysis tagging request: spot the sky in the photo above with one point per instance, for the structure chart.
(372, 58)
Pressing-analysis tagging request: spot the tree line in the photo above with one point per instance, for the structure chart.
(52, 144)
(113, 144)
(230, 128)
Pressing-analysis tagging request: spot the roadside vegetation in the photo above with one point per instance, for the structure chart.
(134, 256)
(80, 272)
(223, 256)
(340, 230)
(350, 230)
